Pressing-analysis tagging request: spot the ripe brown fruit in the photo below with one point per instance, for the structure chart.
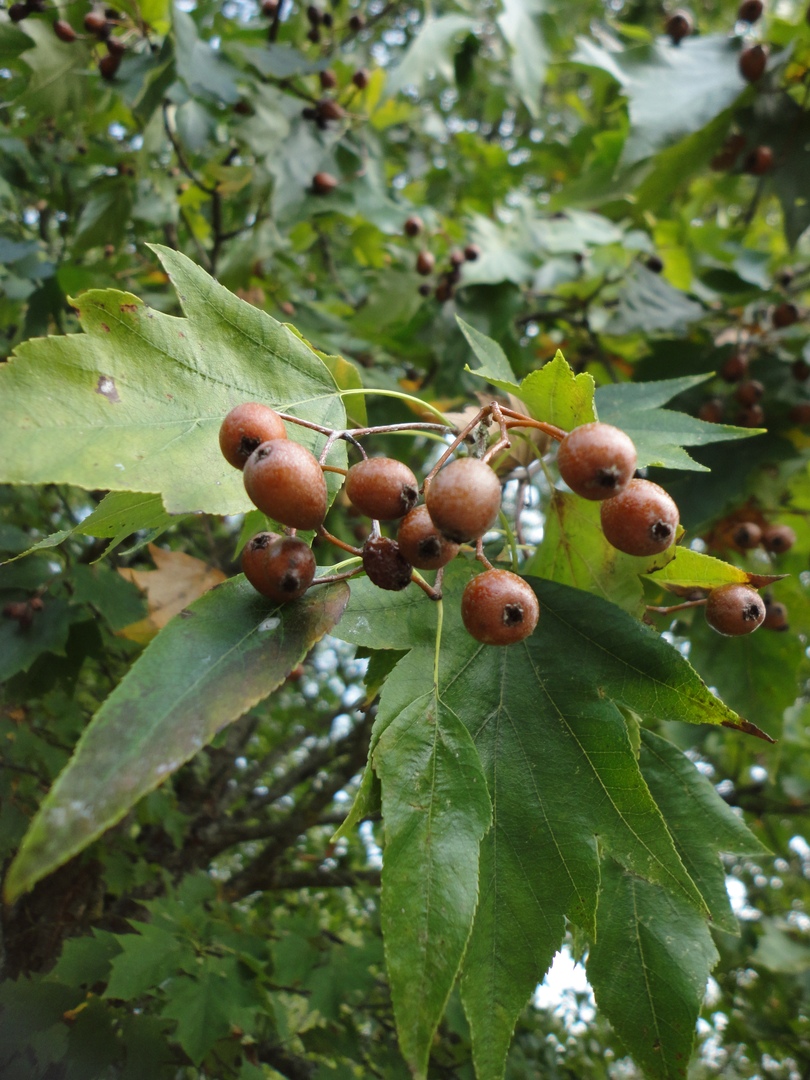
(18, 12)
(328, 79)
(314, 15)
(800, 414)
(655, 263)
(284, 480)
(382, 488)
(269, 7)
(749, 392)
(734, 609)
(751, 416)
(752, 62)
(800, 370)
(421, 542)
(413, 226)
(425, 262)
(108, 65)
(283, 569)
(642, 520)
(444, 291)
(679, 26)
(116, 46)
(735, 368)
(499, 608)
(747, 535)
(464, 499)
(328, 109)
(425, 289)
(245, 428)
(759, 161)
(778, 539)
(360, 78)
(385, 565)
(472, 252)
(253, 558)
(597, 461)
(456, 258)
(711, 411)
(776, 615)
(357, 23)
(785, 314)
(64, 31)
(750, 11)
(323, 183)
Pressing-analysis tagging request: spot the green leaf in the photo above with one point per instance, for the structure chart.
(776, 951)
(58, 84)
(145, 960)
(690, 569)
(701, 823)
(20, 646)
(494, 362)
(574, 551)
(214, 661)
(204, 70)
(104, 216)
(116, 599)
(660, 434)
(430, 53)
(648, 967)
(435, 809)
(136, 402)
(529, 54)
(86, 960)
(387, 620)
(647, 302)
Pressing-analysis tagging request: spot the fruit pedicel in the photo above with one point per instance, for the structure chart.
(462, 503)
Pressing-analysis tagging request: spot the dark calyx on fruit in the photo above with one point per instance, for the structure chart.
(464, 499)
(642, 520)
(734, 609)
(245, 428)
(747, 535)
(289, 569)
(752, 62)
(284, 480)
(382, 488)
(421, 542)
(385, 565)
(597, 461)
(499, 608)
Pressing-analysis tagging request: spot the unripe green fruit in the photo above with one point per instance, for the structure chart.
(382, 488)
(499, 608)
(643, 520)
(421, 542)
(284, 480)
(597, 461)
(245, 428)
(464, 499)
(734, 609)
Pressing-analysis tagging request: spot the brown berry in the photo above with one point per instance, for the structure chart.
(752, 416)
(734, 368)
(421, 542)
(785, 314)
(679, 26)
(800, 414)
(778, 539)
(750, 11)
(314, 15)
(472, 252)
(655, 264)
(776, 616)
(759, 161)
(247, 427)
(749, 392)
(456, 257)
(357, 23)
(385, 565)
(747, 535)
(425, 289)
(413, 226)
(382, 488)
(286, 567)
(642, 520)
(108, 65)
(499, 608)
(269, 7)
(314, 35)
(425, 262)
(597, 461)
(328, 79)
(360, 78)
(711, 411)
(734, 609)
(323, 183)
(329, 109)
(284, 480)
(18, 12)
(116, 46)
(464, 499)
(800, 370)
(752, 62)
(64, 31)
(444, 291)
(253, 555)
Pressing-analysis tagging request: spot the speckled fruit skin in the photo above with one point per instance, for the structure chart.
(385, 565)
(381, 488)
(597, 461)
(245, 428)
(778, 539)
(463, 500)
(421, 542)
(734, 609)
(284, 480)
(279, 567)
(499, 608)
(643, 520)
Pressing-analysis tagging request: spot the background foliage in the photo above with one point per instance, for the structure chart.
(212, 924)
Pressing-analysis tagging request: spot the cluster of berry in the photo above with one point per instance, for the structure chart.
(99, 23)
(462, 503)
